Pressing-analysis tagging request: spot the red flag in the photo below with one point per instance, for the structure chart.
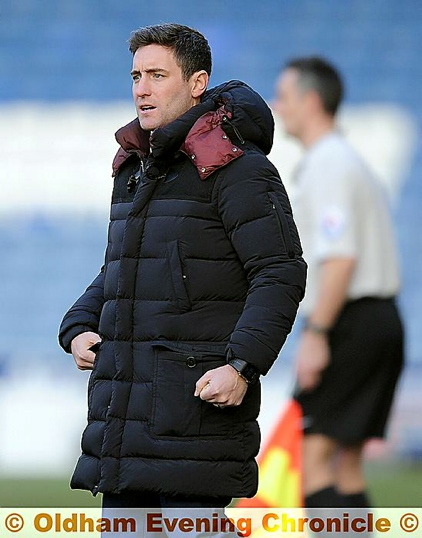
(280, 464)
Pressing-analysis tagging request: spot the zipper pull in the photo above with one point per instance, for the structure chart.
(134, 178)
(235, 129)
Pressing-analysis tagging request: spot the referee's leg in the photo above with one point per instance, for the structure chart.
(319, 485)
(350, 477)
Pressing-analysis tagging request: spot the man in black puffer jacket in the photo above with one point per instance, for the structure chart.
(202, 279)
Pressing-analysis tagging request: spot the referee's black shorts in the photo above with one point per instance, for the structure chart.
(353, 400)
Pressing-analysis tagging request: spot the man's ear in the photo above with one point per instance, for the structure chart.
(199, 83)
(314, 100)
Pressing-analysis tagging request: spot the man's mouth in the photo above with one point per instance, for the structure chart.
(146, 108)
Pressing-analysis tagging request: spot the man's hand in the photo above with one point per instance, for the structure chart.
(313, 355)
(80, 345)
(312, 358)
(222, 387)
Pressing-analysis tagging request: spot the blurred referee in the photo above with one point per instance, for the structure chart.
(350, 353)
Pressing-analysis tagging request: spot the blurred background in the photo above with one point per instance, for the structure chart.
(65, 89)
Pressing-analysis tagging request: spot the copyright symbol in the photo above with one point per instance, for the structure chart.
(14, 522)
(409, 522)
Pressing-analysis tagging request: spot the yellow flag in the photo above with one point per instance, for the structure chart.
(280, 464)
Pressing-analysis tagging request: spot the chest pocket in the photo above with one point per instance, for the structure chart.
(178, 277)
(176, 411)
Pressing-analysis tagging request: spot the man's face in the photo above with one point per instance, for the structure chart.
(290, 102)
(159, 91)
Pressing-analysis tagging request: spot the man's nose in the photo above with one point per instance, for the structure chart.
(142, 87)
(277, 106)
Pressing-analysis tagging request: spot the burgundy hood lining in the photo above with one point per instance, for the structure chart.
(207, 144)
(132, 139)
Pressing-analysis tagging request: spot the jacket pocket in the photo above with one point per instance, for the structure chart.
(93, 378)
(283, 224)
(178, 277)
(176, 411)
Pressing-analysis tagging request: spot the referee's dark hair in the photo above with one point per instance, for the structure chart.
(318, 75)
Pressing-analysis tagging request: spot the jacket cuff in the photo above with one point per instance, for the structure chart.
(65, 339)
(231, 354)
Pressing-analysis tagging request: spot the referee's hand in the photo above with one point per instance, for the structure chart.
(313, 357)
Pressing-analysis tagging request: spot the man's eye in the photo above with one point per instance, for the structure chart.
(157, 75)
(135, 78)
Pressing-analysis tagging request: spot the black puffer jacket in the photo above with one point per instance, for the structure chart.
(203, 257)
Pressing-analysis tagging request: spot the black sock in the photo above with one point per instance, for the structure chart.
(324, 498)
(355, 500)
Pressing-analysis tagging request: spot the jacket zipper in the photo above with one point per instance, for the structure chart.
(235, 129)
(283, 224)
(134, 179)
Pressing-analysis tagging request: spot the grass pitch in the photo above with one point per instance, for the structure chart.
(390, 485)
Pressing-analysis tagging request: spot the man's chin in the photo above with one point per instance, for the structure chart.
(144, 128)
(147, 125)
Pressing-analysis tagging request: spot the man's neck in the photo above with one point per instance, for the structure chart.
(316, 130)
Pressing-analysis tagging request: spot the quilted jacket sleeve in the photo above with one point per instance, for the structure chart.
(256, 214)
(84, 315)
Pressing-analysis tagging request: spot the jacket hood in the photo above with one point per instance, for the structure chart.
(250, 114)
(233, 107)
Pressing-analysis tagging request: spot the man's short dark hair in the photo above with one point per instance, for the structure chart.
(318, 75)
(190, 48)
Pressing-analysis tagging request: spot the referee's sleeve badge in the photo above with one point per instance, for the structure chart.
(333, 223)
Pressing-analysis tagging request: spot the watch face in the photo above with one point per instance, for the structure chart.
(246, 370)
(250, 373)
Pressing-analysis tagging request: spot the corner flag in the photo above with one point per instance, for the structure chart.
(280, 464)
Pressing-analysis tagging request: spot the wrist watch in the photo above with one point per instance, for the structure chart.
(316, 328)
(246, 370)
